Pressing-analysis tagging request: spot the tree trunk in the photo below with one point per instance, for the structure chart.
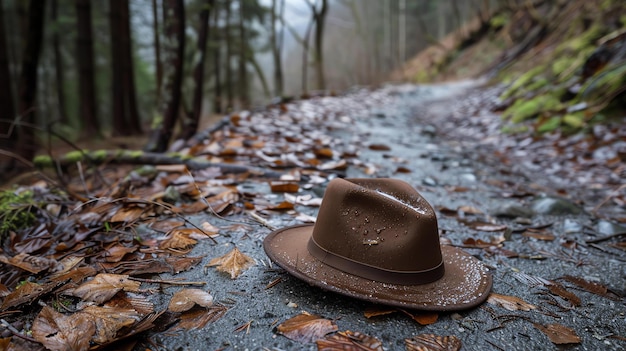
(229, 55)
(276, 40)
(8, 136)
(131, 114)
(190, 125)
(86, 82)
(244, 93)
(217, 94)
(174, 46)
(157, 50)
(117, 92)
(320, 19)
(305, 57)
(28, 78)
(58, 65)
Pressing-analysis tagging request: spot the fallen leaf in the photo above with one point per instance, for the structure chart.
(484, 226)
(179, 239)
(108, 320)
(469, 210)
(32, 264)
(59, 332)
(185, 299)
(538, 234)
(422, 318)
(198, 318)
(349, 340)
(374, 311)
(26, 292)
(127, 214)
(591, 287)
(379, 147)
(306, 327)
(559, 334)
(103, 287)
(511, 303)
(284, 187)
(432, 342)
(233, 263)
(559, 290)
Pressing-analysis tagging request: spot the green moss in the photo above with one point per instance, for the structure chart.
(521, 81)
(574, 120)
(537, 84)
(499, 20)
(549, 125)
(561, 64)
(514, 128)
(16, 211)
(42, 161)
(99, 155)
(133, 153)
(173, 154)
(524, 109)
(75, 156)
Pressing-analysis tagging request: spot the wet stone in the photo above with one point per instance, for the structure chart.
(513, 210)
(572, 226)
(609, 228)
(555, 206)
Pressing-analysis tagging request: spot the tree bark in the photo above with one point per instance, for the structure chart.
(217, 94)
(305, 57)
(86, 81)
(244, 93)
(229, 55)
(190, 125)
(27, 90)
(320, 19)
(276, 39)
(174, 47)
(117, 92)
(157, 50)
(58, 65)
(8, 136)
(131, 114)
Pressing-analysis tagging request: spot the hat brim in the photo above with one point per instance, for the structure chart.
(465, 284)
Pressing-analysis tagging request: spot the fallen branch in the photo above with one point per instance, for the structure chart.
(169, 282)
(132, 157)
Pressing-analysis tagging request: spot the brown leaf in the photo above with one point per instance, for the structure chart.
(423, 318)
(108, 320)
(562, 292)
(432, 342)
(25, 293)
(32, 264)
(349, 340)
(166, 226)
(379, 147)
(103, 287)
(127, 214)
(374, 311)
(178, 239)
(511, 303)
(323, 153)
(185, 299)
(402, 169)
(306, 327)
(198, 318)
(559, 334)
(591, 287)
(284, 187)
(469, 210)
(233, 263)
(180, 264)
(57, 331)
(538, 234)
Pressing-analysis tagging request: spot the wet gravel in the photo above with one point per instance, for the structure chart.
(450, 170)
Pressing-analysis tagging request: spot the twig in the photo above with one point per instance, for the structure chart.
(16, 332)
(170, 282)
(261, 220)
(604, 238)
(606, 199)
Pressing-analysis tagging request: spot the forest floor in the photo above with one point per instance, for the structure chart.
(175, 255)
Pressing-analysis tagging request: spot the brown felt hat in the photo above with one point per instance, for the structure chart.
(377, 240)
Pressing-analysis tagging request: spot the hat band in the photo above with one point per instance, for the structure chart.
(375, 273)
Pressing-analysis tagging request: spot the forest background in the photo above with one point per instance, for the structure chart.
(89, 70)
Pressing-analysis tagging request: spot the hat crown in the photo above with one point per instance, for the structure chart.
(379, 229)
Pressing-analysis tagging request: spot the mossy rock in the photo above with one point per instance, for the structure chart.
(549, 125)
(574, 120)
(522, 110)
(16, 211)
(520, 82)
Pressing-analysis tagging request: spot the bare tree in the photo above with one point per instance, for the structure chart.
(86, 81)
(277, 46)
(319, 17)
(174, 48)
(217, 71)
(157, 49)
(190, 124)
(244, 93)
(8, 137)
(27, 86)
(58, 63)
